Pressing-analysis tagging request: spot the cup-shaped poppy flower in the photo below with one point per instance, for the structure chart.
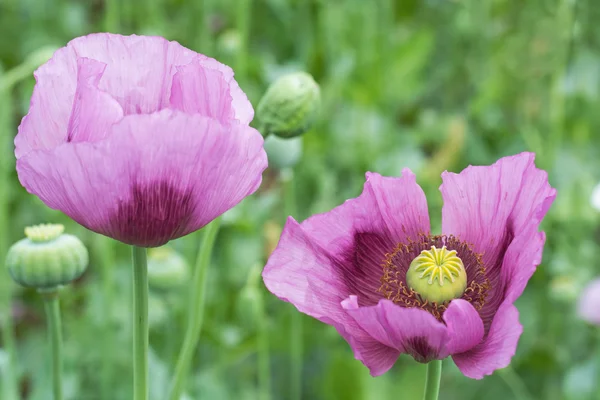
(138, 138)
(372, 269)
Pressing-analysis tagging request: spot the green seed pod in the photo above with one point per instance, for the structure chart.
(283, 153)
(289, 106)
(167, 269)
(47, 258)
(437, 275)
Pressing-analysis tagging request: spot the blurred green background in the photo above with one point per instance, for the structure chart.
(426, 84)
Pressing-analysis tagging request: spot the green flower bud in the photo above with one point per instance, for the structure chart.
(437, 275)
(46, 258)
(167, 269)
(283, 153)
(289, 106)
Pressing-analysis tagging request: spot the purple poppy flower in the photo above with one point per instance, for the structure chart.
(138, 138)
(588, 307)
(349, 267)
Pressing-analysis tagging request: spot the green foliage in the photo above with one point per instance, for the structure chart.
(430, 85)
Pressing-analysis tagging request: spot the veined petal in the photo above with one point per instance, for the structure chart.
(192, 82)
(138, 75)
(154, 178)
(498, 347)
(490, 208)
(45, 125)
(353, 239)
(465, 327)
(408, 330)
(94, 111)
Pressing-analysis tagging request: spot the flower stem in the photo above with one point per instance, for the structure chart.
(140, 324)
(52, 307)
(105, 255)
(296, 328)
(197, 298)
(9, 379)
(262, 335)
(432, 380)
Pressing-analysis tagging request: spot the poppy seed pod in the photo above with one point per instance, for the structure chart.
(47, 258)
(289, 106)
(167, 269)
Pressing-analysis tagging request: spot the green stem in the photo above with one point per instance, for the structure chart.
(296, 328)
(197, 298)
(9, 380)
(105, 254)
(140, 324)
(9, 391)
(432, 380)
(52, 307)
(262, 334)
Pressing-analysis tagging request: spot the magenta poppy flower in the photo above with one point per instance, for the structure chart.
(372, 269)
(138, 138)
(588, 307)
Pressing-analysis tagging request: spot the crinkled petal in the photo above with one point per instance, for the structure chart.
(409, 330)
(45, 125)
(360, 232)
(138, 75)
(465, 327)
(301, 272)
(139, 68)
(588, 306)
(192, 82)
(94, 111)
(241, 105)
(498, 347)
(154, 178)
(489, 207)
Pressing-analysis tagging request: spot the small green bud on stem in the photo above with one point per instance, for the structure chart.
(289, 106)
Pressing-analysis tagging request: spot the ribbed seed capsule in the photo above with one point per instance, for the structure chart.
(289, 106)
(46, 258)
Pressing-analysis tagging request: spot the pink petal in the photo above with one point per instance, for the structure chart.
(498, 347)
(301, 272)
(154, 178)
(465, 327)
(408, 330)
(138, 75)
(45, 125)
(355, 237)
(241, 105)
(588, 307)
(377, 357)
(490, 207)
(191, 84)
(139, 68)
(94, 111)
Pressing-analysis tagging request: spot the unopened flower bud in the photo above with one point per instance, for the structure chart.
(283, 153)
(289, 106)
(167, 269)
(47, 258)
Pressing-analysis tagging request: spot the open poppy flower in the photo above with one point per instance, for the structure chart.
(372, 269)
(138, 138)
